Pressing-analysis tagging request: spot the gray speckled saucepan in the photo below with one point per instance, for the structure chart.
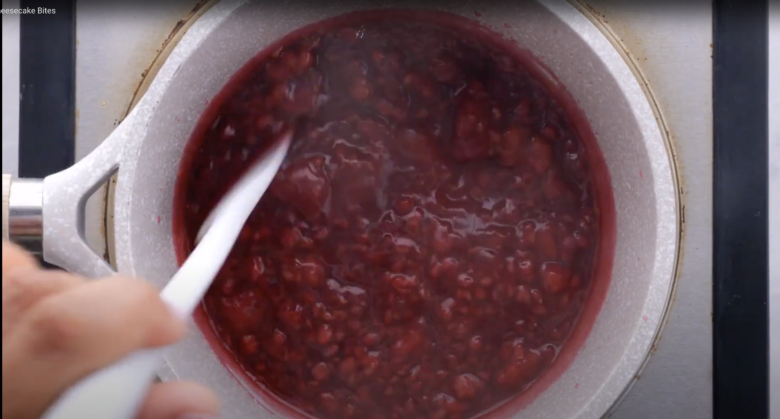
(146, 148)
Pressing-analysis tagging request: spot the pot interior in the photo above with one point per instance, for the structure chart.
(609, 345)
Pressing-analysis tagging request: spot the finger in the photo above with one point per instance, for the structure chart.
(71, 334)
(23, 288)
(180, 400)
(15, 257)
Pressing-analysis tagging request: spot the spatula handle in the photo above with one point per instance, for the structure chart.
(117, 391)
(114, 392)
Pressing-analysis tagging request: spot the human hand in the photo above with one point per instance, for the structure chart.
(59, 328)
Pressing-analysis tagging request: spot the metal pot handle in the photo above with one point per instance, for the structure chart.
(64, 197)
(23, 212)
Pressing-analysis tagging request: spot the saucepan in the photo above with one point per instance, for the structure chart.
(146, 148)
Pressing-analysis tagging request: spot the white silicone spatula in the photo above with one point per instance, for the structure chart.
(117, 391)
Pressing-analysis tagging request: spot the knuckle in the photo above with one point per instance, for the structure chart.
(54, 328)
(15, 286)
(23, 288)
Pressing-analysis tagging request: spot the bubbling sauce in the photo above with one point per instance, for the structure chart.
(430, 241)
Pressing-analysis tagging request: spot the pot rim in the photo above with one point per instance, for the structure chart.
(131, 135)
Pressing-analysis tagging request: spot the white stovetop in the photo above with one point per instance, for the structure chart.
(117, 43)
(10, 89)
(774, 208)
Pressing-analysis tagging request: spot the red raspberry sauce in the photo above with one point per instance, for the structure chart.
(431, 239)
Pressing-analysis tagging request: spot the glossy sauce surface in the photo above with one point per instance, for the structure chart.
(429, 243)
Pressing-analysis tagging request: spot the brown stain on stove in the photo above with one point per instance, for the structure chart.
(178, 31)
(632, 42)
(625, 43)
(146, 77)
